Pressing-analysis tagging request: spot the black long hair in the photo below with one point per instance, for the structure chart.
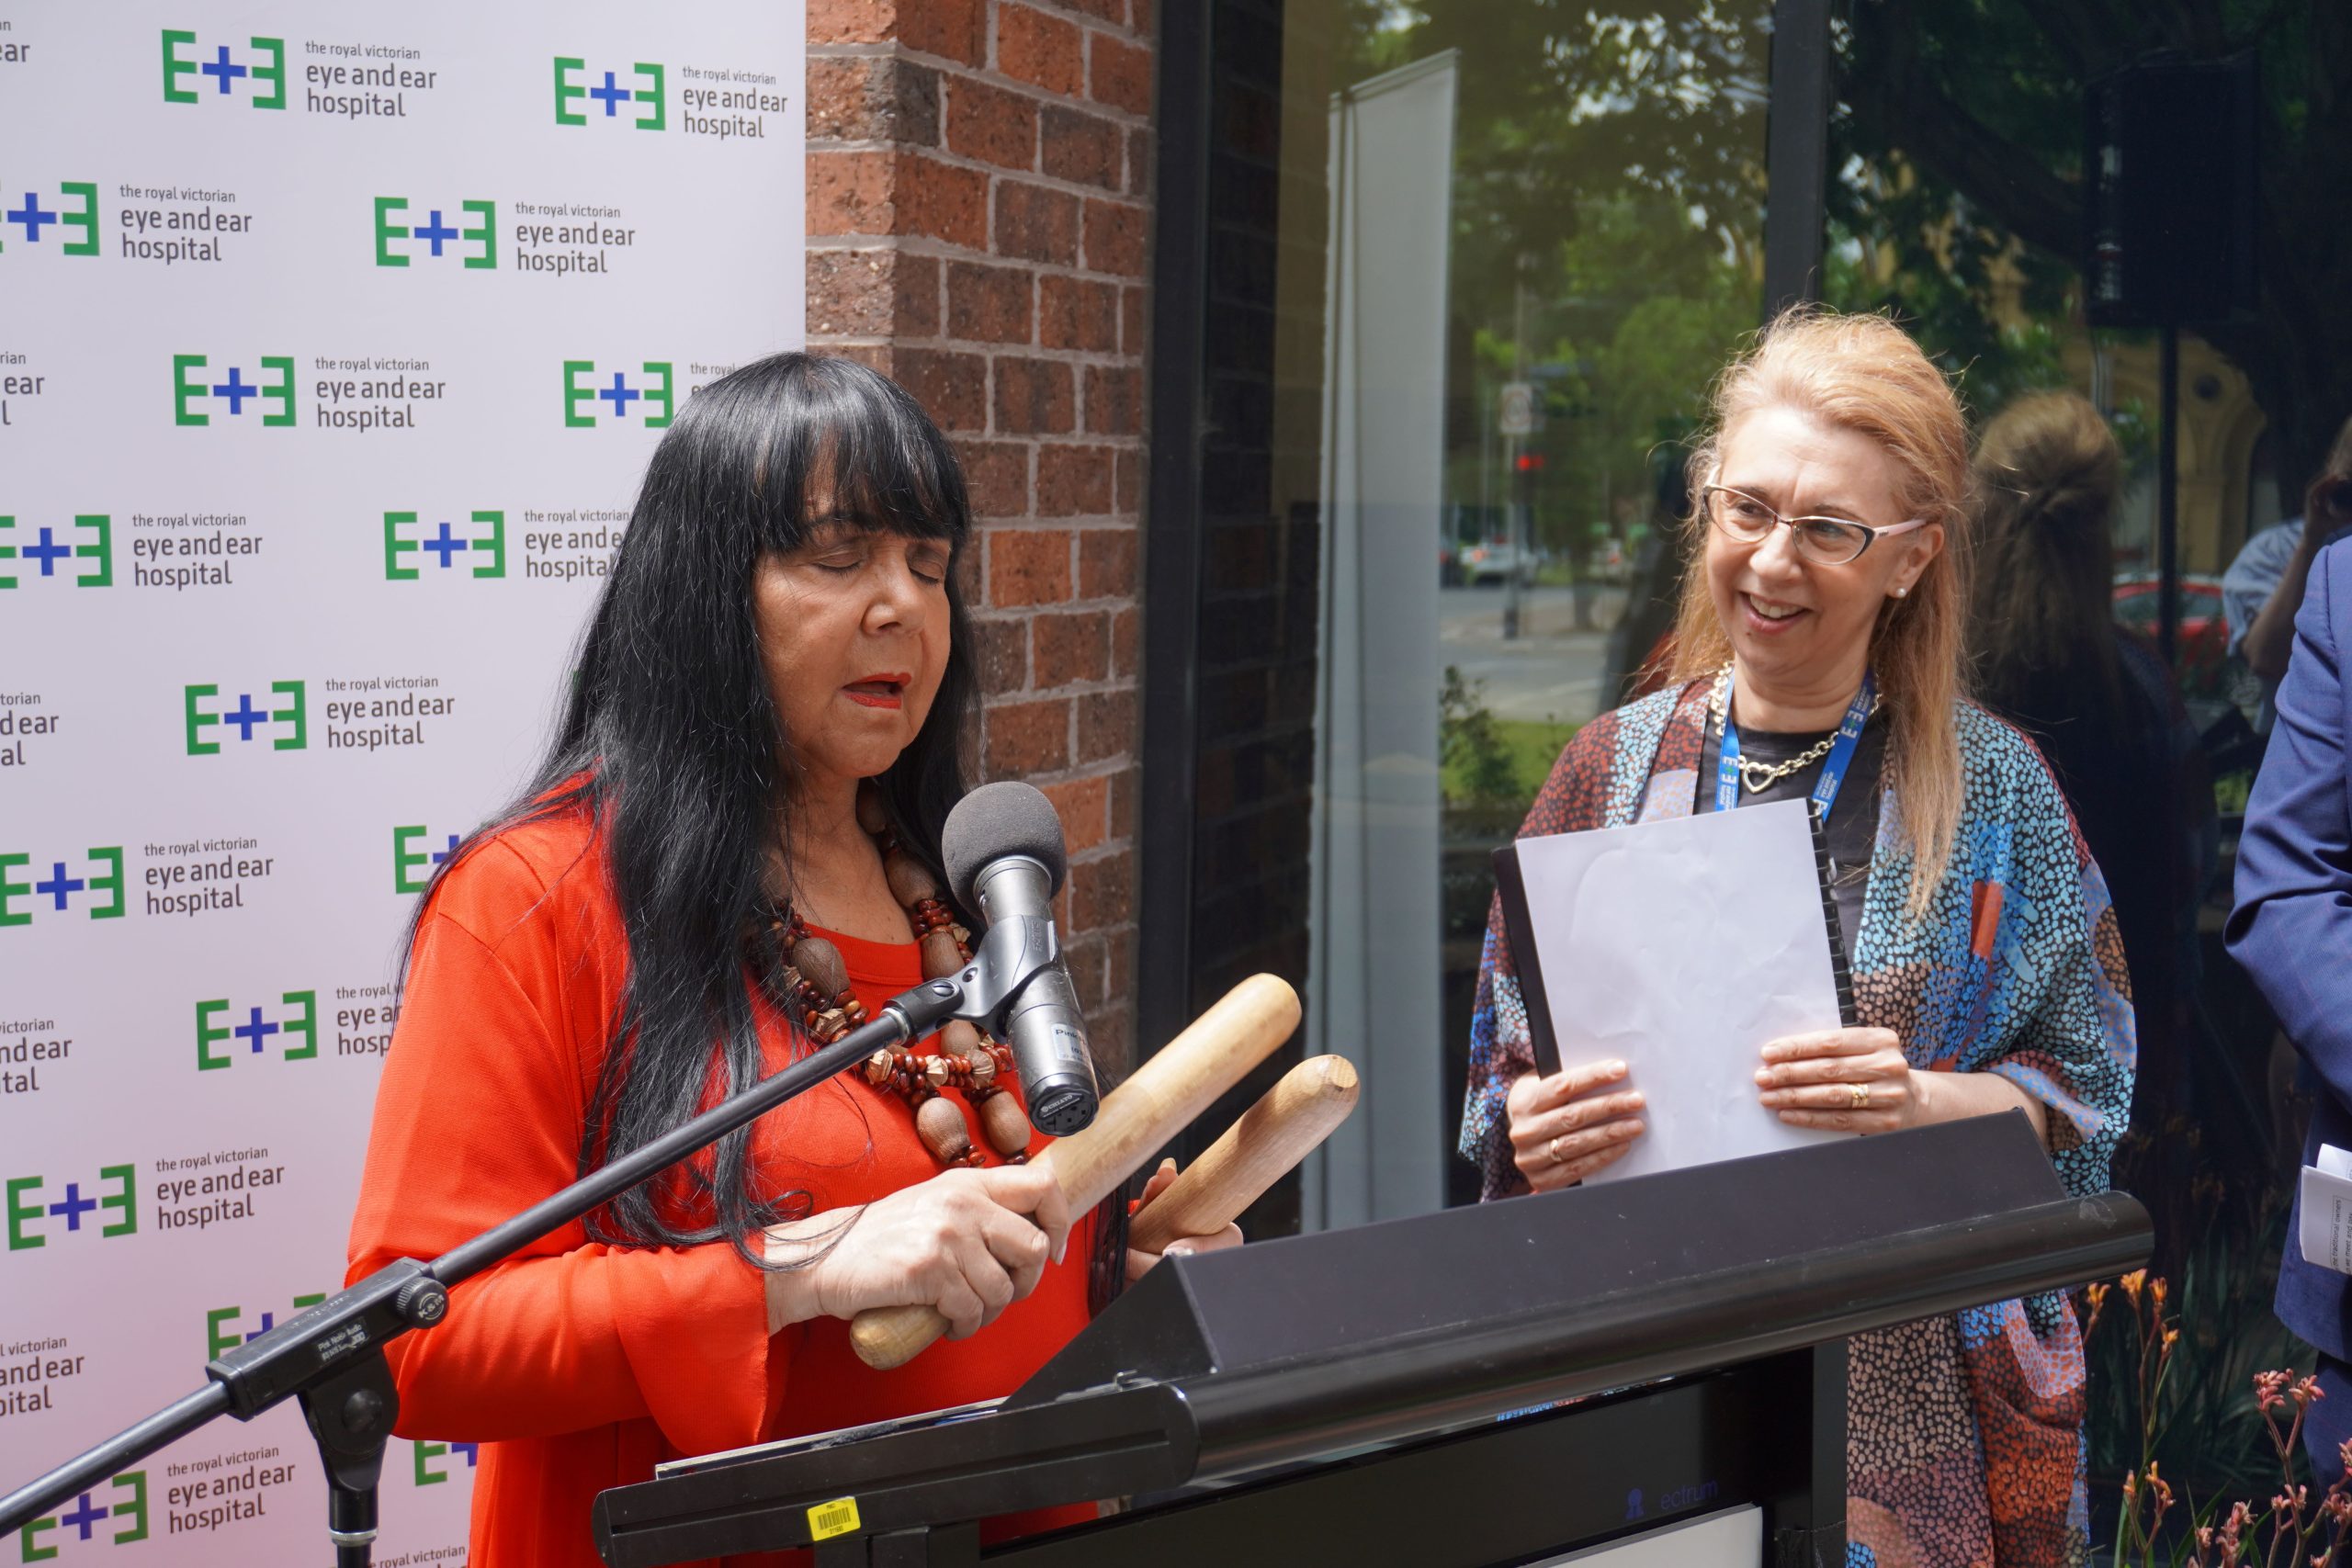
(671, 742)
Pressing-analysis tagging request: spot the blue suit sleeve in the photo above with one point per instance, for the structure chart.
(2293, 918)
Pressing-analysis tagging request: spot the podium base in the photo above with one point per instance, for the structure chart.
(1769, 1433)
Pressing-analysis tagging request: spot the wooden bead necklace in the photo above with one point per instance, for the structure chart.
(816, 981)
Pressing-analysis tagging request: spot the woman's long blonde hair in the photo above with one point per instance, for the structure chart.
(1864, 374)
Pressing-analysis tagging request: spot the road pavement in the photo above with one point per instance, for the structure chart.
(1551, 671)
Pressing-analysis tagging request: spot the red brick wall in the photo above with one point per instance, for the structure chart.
(979, 209)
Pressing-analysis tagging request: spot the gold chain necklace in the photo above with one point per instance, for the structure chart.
(1757, 777)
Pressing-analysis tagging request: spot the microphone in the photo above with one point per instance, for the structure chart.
(1002, 851)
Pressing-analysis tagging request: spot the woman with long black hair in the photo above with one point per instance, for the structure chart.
(731, 849)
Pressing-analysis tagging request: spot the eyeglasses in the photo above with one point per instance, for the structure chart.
(1824, 541)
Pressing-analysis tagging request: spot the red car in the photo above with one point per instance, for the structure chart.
(2204, 634)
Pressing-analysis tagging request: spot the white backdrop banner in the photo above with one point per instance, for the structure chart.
(332, 342)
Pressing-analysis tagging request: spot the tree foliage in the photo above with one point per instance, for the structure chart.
(1607, 205)
(1959, 141)
(1955, 195)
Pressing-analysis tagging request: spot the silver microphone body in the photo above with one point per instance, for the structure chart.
(1041, 1022)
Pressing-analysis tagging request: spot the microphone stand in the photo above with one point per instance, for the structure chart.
(331, 1358)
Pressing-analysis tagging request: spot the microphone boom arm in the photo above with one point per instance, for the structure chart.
(331, 1356)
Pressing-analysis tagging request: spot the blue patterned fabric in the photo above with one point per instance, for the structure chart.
(1966, 1443)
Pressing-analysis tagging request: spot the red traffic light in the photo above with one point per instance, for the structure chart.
(1530, 462)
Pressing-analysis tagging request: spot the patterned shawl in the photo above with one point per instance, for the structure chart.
(1965, 1442)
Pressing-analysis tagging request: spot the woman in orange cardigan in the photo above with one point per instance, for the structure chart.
(734, 839)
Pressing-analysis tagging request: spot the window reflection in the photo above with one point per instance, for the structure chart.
(1604, 206)
(1603, 212)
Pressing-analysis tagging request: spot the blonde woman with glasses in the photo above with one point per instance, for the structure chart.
(1818, 656)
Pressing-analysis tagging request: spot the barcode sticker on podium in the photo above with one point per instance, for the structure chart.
(827, 1520)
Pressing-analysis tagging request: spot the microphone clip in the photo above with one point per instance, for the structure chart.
(1011, 954)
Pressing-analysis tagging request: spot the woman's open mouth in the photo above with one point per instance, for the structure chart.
(878, 691)
(1771, 618)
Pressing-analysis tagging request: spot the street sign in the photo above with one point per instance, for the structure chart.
(1515, 409)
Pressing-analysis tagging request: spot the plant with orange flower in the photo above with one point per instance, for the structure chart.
(2303, 1531)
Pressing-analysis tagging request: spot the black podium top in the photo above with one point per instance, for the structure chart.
(1290, 1350)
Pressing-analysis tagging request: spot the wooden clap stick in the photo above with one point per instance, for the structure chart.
(1214, 1053)
(1273, 1135)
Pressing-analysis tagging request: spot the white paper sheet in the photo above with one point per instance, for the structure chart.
(1682, 947)
(2327, 1228)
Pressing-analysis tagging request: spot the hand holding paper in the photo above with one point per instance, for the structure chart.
(1680, 948)
(1566, 1126)
(1841, 1080)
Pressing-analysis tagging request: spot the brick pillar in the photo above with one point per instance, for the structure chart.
(978, 206)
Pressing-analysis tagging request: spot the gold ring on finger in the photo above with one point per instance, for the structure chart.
(1553, 1148)
(1862, 1093)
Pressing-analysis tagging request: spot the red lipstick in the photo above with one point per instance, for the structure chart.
(884, 691)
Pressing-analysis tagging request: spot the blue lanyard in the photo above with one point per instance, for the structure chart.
(1833, 767)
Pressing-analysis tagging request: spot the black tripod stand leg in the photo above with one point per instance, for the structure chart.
(351, 1418)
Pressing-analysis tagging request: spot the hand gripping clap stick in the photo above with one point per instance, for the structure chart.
(1285, 1126)
(1173, 1087)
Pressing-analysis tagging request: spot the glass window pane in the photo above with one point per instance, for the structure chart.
(1967, 196)
(1541, 236)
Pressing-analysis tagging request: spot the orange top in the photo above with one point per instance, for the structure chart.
(579, 1366)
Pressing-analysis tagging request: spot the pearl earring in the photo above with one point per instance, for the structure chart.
(1902, 592)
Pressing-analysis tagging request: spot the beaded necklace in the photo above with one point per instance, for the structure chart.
(816, 981)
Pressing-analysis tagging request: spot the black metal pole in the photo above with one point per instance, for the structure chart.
(2168, 494)
(1796, 153)
(1172, 535)
(351, 1523)
(102, 1463)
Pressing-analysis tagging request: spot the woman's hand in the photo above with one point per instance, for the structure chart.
(1140, 1262)
(1563, 1128)
(1847, 1080)
(966, 1243)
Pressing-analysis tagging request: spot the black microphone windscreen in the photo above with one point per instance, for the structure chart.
(995, 820)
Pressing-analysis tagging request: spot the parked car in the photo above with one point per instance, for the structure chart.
(2204, 634)
(1497, 561)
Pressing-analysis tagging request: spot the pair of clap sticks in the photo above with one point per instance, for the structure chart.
(1141, 1115)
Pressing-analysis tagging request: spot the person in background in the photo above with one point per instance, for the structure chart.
(2290, 931)
(1825, 571)
(1640, 647)
(2263, 586)
(2096, 700)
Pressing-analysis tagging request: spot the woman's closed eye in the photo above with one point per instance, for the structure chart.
(839, 562)
(851, 552)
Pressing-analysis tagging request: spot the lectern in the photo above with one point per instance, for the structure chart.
(1502, 1384)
